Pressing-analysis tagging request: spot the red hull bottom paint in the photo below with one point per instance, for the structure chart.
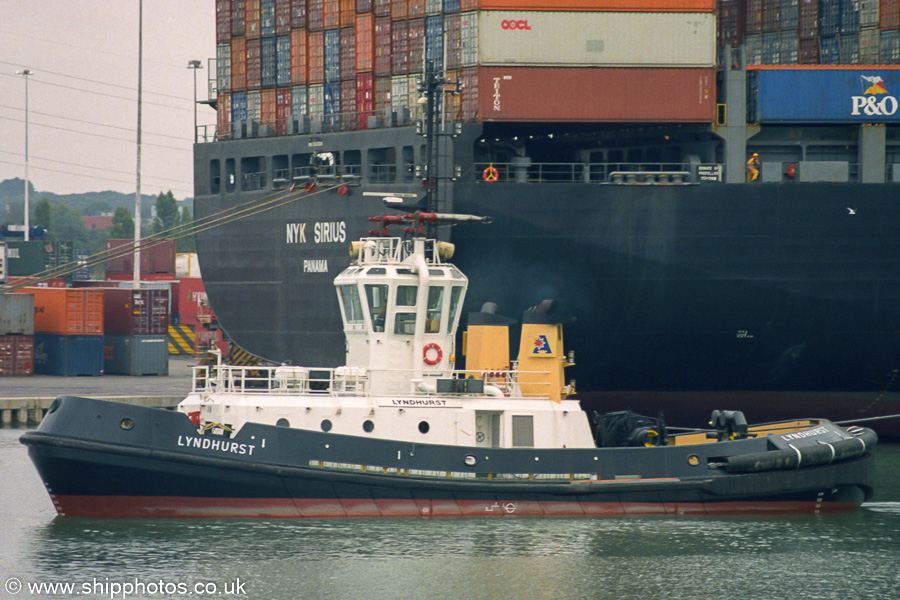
(275, 508)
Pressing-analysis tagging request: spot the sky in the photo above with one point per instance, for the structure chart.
(82, 95)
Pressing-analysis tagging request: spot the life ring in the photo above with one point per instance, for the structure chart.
(490, 174)
(432, 346)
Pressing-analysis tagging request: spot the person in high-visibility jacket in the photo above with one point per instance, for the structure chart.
(753, 167)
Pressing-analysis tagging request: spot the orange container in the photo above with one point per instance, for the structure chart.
(298, 56)
(67, 311)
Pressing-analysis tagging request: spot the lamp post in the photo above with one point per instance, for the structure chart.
(25, 73)
(194, 65)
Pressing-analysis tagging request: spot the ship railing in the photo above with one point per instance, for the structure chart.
(525, 171)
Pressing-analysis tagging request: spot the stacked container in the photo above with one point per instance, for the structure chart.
(68, 326)
(339, 64)
(157, 261)
(135, 323)
(16, 335)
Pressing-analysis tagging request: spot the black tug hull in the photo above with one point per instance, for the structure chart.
(160, 467)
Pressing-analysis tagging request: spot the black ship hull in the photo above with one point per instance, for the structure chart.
(158, 466)
(785, 293)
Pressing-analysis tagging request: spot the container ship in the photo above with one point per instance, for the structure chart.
(708, 188)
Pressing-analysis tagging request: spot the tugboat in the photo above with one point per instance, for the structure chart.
(399, 431)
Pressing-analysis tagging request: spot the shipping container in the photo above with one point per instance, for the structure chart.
(68, 355)
(332, 55)
(363, 6)
(348, 53)
(24, 258)
(770, 14)
(468, 39)
(331, 14)
(869, 13)
(298, 57)
(187, 265)
(298, 14)
(267, 18)
(731, 23)
(399, 48)
(809, 52)
(869, 45)
(365, 35)
(754, 16)
(267, 111)
(890, 47)
(382, 46)
(450, 7)
(452, 41)
(381, 8)
(434, 41)
(238, 114)
(849, 17)
(399, 10)
(16, 355)
(788, 47)
(332, 99)
(223, 20)
(191, 293)
(829, 51)
(889, 15)
(365, 98)
(283, 61)
(156, 258)
(382, 95)
(283, 116)
(57, 282)
(829, 18)
(136, 354)
(348, 13)
(252, 17)
(16, 314)
(223, 68)
(416, 45)
(348, 103)
(316, 102)
(837, 95)
(238, 21)
(809, 20)
(570, 39)
(316, 15)
(848, 49)
(223, 116)
(238, 64)
(469, 95)
(614, 94)
(135, 311)
(316, 57)
(67, 311)
(706, 6)
(299, 110)
(416, 9)
(254, 64)
(282, 17)
(254, 111)
(433, 7)
(268, 62)
(789, 15)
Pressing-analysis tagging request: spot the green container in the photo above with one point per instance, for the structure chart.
(135, 355)
(24, 258)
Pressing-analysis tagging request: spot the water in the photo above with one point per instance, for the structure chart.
(842, 557)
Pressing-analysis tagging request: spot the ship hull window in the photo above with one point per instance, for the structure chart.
(523, 431)
(377, 297)
(435, 306)
(352, 307)
(406, 295)
(405, 324)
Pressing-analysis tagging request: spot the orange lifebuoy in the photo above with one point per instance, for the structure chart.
(490, 174)
(430, 361)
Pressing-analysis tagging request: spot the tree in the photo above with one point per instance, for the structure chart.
(42, 212)
(123, 225)
(67, 225)
(166, 212)
(185, 234)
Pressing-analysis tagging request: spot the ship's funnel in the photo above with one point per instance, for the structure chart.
(542, 360)
(486, 341)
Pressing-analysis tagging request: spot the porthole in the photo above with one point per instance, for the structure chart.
(326, 425)
(368, 426)
(282, 422)
(127, 424)
(470, 460)
(693, 460)
(424, 427)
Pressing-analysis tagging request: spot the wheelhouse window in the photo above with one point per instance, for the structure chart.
(353, 313)
(405, 323)
(406, 295)
(435, 306)
(455, 295)
(377, 298)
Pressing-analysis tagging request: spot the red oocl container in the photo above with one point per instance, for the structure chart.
(155, 257)
(16, 355)
(135, 312)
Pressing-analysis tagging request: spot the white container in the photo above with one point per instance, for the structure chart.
(621, 39)
(187, 265)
